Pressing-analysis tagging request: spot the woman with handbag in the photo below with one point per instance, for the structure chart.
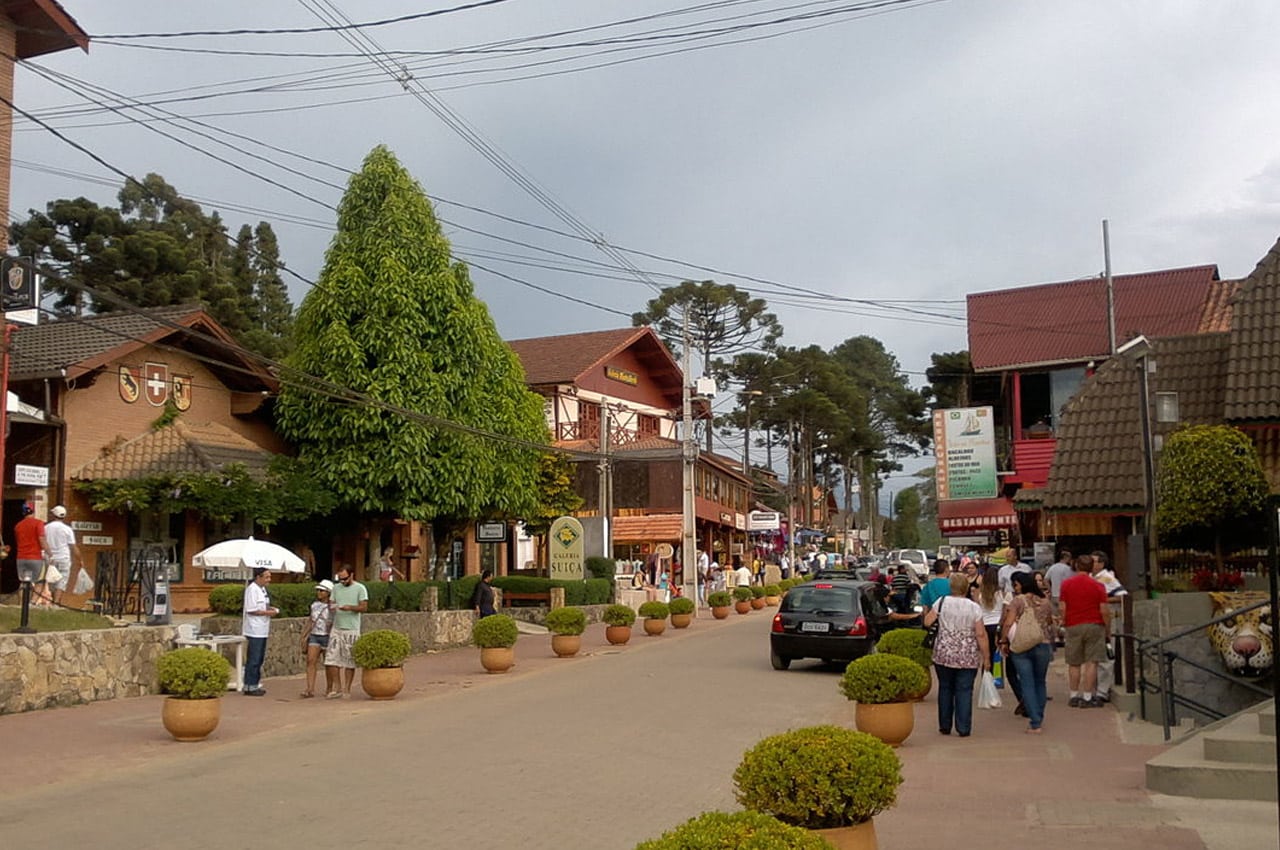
(959, 652)
(1027, 642)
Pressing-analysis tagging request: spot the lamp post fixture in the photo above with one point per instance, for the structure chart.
(746, 431)
(1138, 350)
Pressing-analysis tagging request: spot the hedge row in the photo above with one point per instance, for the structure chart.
(294, 600)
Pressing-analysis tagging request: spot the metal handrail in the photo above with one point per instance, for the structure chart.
(1190, 630)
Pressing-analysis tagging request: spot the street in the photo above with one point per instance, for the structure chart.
(592, 753)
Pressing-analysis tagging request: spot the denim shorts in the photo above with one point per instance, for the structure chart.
(321, 641)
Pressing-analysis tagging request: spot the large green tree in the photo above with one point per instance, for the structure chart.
(159, 248)
(1210, 490)
(394, 318)
(950, 377)
(724, 322)
(906, 519)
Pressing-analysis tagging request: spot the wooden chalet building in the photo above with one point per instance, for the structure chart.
(617, 395)
(1033, 348)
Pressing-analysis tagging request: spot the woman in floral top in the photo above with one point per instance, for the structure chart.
(959, 652)
(1032, 665)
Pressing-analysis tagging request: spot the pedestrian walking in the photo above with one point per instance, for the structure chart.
(1087, 621)
(482, 596)
(1031, 663)
(255, 625)
(64, 554)
(959, 652)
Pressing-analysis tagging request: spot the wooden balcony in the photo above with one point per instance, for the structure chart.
(1032, 459)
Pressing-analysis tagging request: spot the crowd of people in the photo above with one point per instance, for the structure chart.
(1000, 609)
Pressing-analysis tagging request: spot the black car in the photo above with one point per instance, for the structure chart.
(835, 619)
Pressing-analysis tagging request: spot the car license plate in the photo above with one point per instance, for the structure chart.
(815, 627)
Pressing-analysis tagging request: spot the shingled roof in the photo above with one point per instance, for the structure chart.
(181, 447)
(79, 345)
(1098, 463)
(1253, 371)
(1066, 322)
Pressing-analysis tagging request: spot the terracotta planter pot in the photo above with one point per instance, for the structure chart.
(720, 612)
(617, 635)
(681, 621)
(860, 837)
(190, 719)
(757, 603)
(654, 627)
(566, 646)
(772, 601)
(742, 607)
(891, 722)
(382, 682)
(497, 659)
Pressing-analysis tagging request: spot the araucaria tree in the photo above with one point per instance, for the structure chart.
(1211, 490)
(395, 319)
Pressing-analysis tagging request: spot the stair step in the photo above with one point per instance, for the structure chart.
(1267, 721)
(1183, 773)
(1240, 746)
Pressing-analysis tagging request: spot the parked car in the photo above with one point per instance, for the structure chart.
(834, 619)
(916, 559)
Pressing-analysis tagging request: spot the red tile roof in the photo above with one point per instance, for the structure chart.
(563, 359)
(656, 528)
(1253, 371)
(1067, 322)
(181, 447)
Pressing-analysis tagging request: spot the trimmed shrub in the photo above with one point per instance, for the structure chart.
(740, 831)
(742, 594)
(618, 615)
(496, 630)
(193, 673)
(908, 643)
(719, 599)
(819, 777)
(757, 592)
(681, 605)
(381, 648)
(654, 610)
(566, 621)
(772, 590)
(881, 678)
(598, 567)
(227, 599)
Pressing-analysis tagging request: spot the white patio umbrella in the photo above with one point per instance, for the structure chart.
(249, 554)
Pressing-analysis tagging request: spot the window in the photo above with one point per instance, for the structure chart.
(648, 425)
(588, 420)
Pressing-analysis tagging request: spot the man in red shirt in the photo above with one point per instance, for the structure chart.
(32, 547)
(1087, 621)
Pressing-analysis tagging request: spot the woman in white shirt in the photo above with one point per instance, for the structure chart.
(960, 651)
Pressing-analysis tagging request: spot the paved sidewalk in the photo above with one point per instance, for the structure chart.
(1080, 784)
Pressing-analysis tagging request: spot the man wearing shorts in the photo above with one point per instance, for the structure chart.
(1087, 620)
(33, 549)
(350, 599)
(62, 547)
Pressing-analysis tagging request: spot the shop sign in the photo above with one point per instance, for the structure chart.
(740, 522)
(491, 532)
(85, 525)
(764, 521)
(624, 376)
(567, 543)
(98, 540)
(726, 518)
(964, 442)
(31, 476)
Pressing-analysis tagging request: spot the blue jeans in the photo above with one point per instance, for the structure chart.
(1032, 666)
(253, 663)
(955, 698)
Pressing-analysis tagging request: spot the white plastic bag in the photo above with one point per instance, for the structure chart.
(1106, 678)
(988, 696)
(84, 584)
(52, 574)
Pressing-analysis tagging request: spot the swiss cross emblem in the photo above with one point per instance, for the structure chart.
(155, 380)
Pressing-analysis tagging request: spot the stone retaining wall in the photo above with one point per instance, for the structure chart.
(69, 668)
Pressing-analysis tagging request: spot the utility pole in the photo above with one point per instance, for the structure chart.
(689, 453)
(1111, 291)
(606, 480)
(746, 432)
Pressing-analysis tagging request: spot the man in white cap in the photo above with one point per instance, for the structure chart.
(61, 539)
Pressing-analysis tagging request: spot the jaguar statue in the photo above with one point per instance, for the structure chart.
(1244, 642)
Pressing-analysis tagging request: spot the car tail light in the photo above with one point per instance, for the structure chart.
(825, 586)
(859, 627)
(777, 623)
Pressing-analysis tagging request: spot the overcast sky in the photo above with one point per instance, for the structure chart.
(905, 157)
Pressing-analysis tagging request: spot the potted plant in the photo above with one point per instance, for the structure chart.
(742, 597)
(194, 679)
(655, 617)
(566, 626)
(830, 780)
(681, 612)
(496, 636)
(757, 597)
(909, 643)
(882, 686)
(740, 829)
(380, 655)
(720, 602)
(618, 620)
(772, 595)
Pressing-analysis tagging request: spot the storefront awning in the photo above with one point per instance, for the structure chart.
(961, 515)
(655, 528)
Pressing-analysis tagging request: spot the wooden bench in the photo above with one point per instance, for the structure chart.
(543, 598)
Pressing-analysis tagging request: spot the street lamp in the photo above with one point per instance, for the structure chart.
(746, 432)
(1138, 350)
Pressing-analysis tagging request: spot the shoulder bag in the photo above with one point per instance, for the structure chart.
(931, 631)
(1028, 634)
